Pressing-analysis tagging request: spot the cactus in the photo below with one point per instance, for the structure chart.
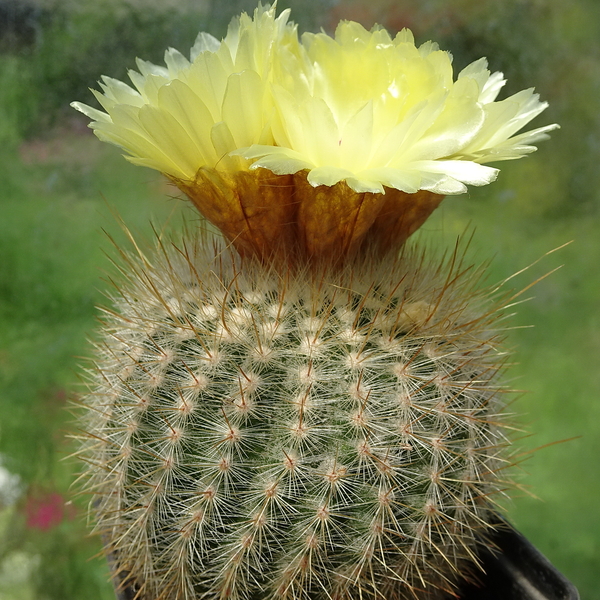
(324, 433)
(304, 408)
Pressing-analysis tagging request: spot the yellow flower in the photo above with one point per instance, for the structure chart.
(251, 125)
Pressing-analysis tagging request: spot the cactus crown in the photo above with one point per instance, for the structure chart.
(256, 434)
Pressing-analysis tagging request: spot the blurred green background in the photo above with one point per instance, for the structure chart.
(60, 188)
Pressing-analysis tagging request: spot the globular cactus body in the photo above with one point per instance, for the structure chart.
(317, 433)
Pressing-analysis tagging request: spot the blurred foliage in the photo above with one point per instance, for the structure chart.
(74, 46)
(58, 189)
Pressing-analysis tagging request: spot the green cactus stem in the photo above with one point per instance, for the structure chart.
(321, 434)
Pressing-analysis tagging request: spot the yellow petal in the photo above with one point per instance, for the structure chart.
(172, 138)
(178, 100)
(243, 107)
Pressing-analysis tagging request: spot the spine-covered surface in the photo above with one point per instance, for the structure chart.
(328, 433)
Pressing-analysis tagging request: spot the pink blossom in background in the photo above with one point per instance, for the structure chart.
(46, 511)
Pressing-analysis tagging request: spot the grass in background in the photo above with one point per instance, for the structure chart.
(58, 191)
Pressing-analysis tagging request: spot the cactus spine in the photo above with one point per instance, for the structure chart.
(257, 432)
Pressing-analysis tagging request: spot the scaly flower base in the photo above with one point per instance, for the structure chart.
(283, 216)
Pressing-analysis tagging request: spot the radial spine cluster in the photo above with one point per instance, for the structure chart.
(256, 433)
